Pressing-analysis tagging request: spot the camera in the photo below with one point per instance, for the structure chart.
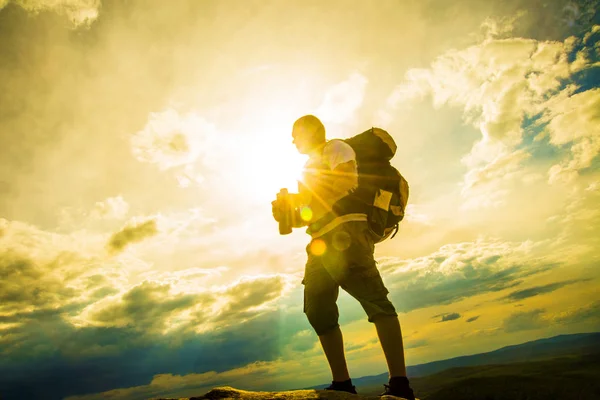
(285, 209)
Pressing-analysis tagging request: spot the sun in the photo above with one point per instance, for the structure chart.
(267, 167)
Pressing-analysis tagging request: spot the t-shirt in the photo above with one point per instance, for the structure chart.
(322, 185)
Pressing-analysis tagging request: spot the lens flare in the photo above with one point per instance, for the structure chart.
(306, 213)
(318, 247)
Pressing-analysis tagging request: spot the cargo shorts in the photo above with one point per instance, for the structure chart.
(343, 258)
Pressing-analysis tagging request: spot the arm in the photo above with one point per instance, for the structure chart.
(344, 178)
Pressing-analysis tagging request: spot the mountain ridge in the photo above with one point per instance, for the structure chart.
(538, 349)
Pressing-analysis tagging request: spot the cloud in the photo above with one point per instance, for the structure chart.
(83, 360)
(249, 296)
(447, 317)
(25, 282)
(79, 12)
(184, 307)
(343, 100)
(475, 318)
(174, 141)
(574, 120)
(537, 290)
(575, 315)
(132, 234)
(493, 28)
(497, 84)
(40, 271)
(111, 208)
(173, 385)
(63, 311)
(146, 307)
(303, 341)
(460, 270)
(413, 344)
(481, 182)
(525, 320)
(578, 220)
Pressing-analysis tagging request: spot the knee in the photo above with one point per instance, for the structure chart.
(321, 321)
(383, 317)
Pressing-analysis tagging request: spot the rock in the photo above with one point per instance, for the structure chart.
(226, 393)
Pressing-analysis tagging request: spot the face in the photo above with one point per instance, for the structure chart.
(302, 140)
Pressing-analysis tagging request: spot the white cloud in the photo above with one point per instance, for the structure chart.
(483, 183)
(460, 270)
(174, 141)
(111, 208)
(343, 100)
(415, 213)
(578, 221)
(574, 120)
(492, 28)
(498, 83)
(180, 302)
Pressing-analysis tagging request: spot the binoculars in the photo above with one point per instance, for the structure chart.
(285, 211)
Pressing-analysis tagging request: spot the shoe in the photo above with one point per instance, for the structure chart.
(399, 387)
(345, 386)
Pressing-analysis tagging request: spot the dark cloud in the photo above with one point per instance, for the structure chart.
(146, 307)
(582, 314)
(523, 321)
(450, 317)
(472, 318)
(473, 279)
(132, 234)
(537, 290)
(416, 343)
(304, 341)
(26, 283)
(477, 268)
(246, 295)
(64, 360)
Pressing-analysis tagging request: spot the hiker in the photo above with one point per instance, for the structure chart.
(340, 254)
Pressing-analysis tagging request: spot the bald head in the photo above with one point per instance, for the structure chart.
(308, 133)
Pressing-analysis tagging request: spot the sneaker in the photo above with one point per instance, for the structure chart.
(345, 386)
(399, 387)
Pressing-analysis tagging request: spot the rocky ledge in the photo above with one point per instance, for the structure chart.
(226, 393)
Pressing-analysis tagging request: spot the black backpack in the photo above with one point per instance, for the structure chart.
(382, 192)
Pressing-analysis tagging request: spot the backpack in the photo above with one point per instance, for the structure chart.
(382, 192)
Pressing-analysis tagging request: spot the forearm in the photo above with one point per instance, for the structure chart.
(300, 201)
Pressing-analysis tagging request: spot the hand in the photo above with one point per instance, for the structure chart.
(275, 210)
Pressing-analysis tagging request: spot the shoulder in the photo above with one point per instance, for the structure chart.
(336, 152)
(339, 148)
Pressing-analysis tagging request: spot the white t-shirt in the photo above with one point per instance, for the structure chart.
(325, 188)
(337, 152)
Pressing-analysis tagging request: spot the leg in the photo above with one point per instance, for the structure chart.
(362, 280)
(333, 347)
(320, 296)
(390, 337)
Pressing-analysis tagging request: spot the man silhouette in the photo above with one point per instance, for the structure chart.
(340, 254)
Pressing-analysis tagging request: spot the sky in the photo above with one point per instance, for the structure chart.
(141, 143)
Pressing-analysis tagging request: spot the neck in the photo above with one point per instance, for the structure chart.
(316, 150)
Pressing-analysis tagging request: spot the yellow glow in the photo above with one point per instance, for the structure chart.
(264, 166)
(318, 247)
(306, 213)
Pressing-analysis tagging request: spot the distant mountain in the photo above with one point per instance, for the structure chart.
(573, 377)
(580, 343)
(557, 346)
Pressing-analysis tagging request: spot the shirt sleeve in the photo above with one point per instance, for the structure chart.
(337, 152)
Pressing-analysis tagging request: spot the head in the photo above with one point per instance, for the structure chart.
(308, 134)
